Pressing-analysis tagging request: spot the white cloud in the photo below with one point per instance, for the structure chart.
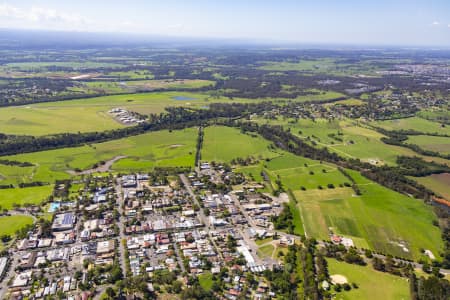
(436, 23)
(40, 17)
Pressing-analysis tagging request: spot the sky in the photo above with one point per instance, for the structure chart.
(357, 22)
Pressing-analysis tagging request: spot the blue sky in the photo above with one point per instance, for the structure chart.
(394, 22)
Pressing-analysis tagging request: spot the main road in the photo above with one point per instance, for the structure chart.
(121, 226)
(201, 212)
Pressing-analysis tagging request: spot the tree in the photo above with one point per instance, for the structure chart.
(177, 286)
(378, 264)
(110, 292)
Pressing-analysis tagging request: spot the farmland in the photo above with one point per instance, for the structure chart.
(347, 138)
(325, 203)
(162, 148)
(319, 96)
(44, 119)
(438, 183)
(296, 172)
(225, 143)
(84, 114)
(326, 65)
(109, 87)
(172, 84)
(375, 219)
(413, 123)
(432, 143)
(39, 66)
(371, 284)
(91, 114)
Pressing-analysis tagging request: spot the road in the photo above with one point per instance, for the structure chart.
(178, 254)
(14, 260)
(201, 212)
(102, 168)
(120, 200)
(243, 211)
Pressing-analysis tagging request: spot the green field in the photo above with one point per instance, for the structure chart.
(10, 224)
(438, 183)
(172, 84)
(413, 123)
(91, 114)
(47, 119)
(97, 87)
(294, 174)
(371, 284)
(349, 139)
(222, 143)
(432, 143)
(266, 251)
(322, 65)
(137, 74)
(30, 195)
(436, 114)
(374, 220)
(329, 66)
(319, 96)
(206, 281)
(37, 66)
(15, 174)
(161, 148)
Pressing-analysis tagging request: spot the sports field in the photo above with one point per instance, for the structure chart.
(375, 220)
(29, 195)
(372, 285)
(10, 224)
(161, 148)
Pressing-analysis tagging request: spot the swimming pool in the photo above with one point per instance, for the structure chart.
(54, 206)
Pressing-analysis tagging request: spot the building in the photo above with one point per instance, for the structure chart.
(22, 279)
(64, 221)
(3, 264)
(105, 247)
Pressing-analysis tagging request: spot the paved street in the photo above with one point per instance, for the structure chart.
(122, 237)
(201, 212)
